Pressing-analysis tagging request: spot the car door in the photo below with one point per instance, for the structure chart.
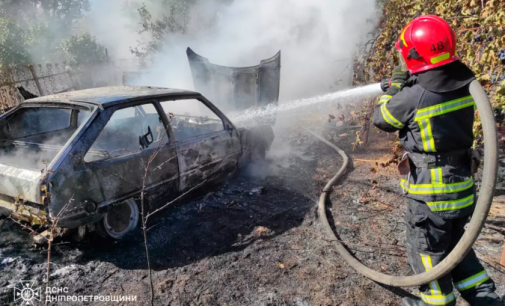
(208, 148)
(133, 151)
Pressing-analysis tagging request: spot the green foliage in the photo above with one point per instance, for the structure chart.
(60, 12)
(32, 31)
(163, 19)
(83, 49)
(479, 26)
(172, 18)
(14, 43)
(19, 44)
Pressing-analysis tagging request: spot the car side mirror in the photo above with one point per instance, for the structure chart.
(147, 139)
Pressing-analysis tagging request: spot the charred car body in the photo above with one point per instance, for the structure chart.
(81, 157)
(237, 89)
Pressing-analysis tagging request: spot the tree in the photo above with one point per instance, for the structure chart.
(33, 30)
(173, 18)
(14, 43)
(61, 12)
(83, 49)
(161, 19)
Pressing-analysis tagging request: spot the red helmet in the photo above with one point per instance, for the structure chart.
(427, 42)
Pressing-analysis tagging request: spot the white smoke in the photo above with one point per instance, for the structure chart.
(115, 23)
(317, 39)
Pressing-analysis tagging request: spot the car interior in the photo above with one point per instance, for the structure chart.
(185, 127)
(128, 131)
(33, 136)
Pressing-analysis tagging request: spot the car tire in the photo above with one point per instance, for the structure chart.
(120, 220)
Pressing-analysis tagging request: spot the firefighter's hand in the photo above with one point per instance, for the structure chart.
(398, 79)
(476, 158)
(385, 84)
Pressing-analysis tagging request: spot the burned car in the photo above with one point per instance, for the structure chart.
(83, 158)
(233, 89)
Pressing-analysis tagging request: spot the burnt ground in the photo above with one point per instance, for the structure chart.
(255, 240)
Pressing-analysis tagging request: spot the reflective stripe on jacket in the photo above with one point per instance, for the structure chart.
(433, 122)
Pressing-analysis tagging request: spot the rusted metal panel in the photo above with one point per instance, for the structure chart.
(235, 89)
(210, 157)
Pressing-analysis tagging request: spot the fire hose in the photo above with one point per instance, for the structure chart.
(474, 227)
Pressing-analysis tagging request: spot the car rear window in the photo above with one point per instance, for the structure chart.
(38, 120)
(32, 136)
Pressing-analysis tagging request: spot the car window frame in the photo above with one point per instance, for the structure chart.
(227, 125)
(72, 109)
(68, 146)
(121, 106)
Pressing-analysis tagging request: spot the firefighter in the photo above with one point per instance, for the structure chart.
(429, 103)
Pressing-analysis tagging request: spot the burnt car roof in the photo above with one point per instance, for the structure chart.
(112, 95)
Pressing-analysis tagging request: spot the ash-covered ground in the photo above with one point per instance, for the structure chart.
(255, 240)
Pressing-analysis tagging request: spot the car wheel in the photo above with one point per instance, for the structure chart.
(120, 220)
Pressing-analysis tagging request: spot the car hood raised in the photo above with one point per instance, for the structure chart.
(235, 89)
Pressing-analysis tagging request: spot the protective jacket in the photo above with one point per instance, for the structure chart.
(434, 114)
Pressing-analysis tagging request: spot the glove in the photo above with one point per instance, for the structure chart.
(398, 79)
(476, 157)
(385, 84)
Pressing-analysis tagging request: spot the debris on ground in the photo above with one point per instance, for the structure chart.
(234, 247)
(256, 191)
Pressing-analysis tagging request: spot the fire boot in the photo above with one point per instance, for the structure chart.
(408, 301)
(484, 299)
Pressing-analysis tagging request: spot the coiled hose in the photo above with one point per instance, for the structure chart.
(474, 227)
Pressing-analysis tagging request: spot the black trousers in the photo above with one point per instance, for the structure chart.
(429, 239)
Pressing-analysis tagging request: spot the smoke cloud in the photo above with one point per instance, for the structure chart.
(317, 39)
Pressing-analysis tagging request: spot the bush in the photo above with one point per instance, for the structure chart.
(83, 49)
(479, 26)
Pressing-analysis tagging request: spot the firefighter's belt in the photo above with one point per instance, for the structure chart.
(432, 160)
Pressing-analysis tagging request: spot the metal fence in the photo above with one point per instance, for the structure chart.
(20, 82)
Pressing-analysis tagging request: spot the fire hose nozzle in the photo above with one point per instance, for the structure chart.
(385, 84)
